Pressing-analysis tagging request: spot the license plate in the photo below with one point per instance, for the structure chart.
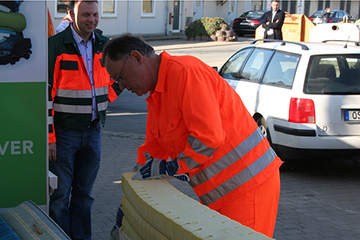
(352, 115)
(244, 23)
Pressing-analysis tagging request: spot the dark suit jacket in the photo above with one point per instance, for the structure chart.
(276, 26)
(326, 17)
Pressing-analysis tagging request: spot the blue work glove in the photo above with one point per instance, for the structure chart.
(171, 169)
(153, 168)
(159, 168)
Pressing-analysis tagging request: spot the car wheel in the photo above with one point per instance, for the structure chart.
(265, 131)
(263, 127)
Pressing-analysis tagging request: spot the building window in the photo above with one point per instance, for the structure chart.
(348, 6)
(108, 8)
(292, 7)
(61, 8)
(284, 6)
(147, 8)
(320, 5)
(342, 5)
(327, 4)
(307, 8)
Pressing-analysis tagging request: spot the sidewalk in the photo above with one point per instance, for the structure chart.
(181, 43)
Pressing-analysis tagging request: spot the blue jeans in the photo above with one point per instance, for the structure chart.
(77, 164)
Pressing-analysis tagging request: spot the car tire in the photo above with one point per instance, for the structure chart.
(265, 130)
(263, 127)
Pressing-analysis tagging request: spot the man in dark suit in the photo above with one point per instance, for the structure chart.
(326, 15)
(273, 22)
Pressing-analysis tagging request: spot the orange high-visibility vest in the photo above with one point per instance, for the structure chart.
(69, 84)
(66, 18)
(196, 116)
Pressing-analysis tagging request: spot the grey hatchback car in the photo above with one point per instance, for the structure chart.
(335, 16)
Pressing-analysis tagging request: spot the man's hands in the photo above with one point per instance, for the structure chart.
(159, 168)
(52, 151)
(267, 23)
(153, 168)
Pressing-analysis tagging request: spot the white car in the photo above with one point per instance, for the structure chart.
(305, 97)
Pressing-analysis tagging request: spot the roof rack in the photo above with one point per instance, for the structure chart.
(303, 46)
(357, 43)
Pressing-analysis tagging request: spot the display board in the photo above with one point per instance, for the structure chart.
(23, 102)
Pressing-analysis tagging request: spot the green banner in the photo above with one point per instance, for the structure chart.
(23, 103)
(22, 143)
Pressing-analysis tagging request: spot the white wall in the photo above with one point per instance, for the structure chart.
(128, 17)
(212, 9)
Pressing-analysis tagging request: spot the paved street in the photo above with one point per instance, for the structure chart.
(319, 199)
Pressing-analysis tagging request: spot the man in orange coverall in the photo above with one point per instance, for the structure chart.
(199, 124)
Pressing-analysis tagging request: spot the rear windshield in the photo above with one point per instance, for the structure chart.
(333, 74)
(254, 14)
(321, 12)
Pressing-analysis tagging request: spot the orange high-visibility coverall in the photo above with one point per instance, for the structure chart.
(196, 116)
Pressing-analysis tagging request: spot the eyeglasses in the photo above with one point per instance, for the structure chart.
(119, 80)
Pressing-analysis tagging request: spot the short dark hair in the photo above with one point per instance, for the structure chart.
(121, 46)
(72, 2)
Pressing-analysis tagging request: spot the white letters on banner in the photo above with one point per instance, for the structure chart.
(15, 147)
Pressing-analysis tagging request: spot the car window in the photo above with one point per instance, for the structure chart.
(353, 62)
(325, 62)
(340, 14)
(244, 14)
(281, 69)
(255, 66)
(255, 14)
(233, 65)
(337, 74)
(319, 13)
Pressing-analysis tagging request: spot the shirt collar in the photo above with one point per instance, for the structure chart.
(77, 38)
(160, 85)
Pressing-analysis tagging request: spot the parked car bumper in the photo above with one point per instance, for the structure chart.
(295, 141)
(289, 153)
(245, 30)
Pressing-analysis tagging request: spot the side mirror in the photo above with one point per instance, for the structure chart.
(216, 68)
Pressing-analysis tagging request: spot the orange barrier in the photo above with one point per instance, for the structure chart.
(296, 28)
(51, 30)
